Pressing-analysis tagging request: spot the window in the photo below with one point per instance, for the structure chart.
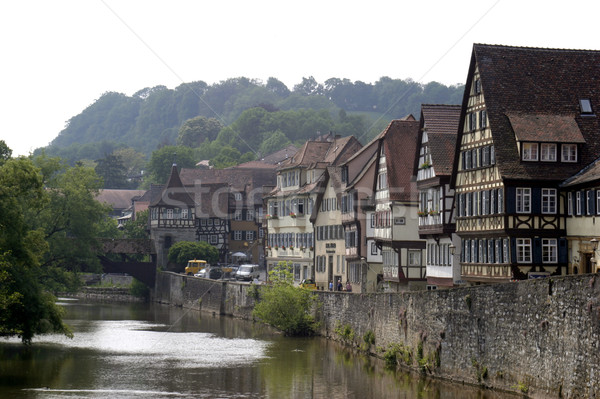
(585, 105)
(250, 235)
(548, 152)
(414, 258)
(382, 181)
(184, 213)
(578, 203)
(477, 86)
(373, 248)
(237, 196)
(549, 250)
(523, 200)
(569, 153)
(214, 239)
(237, 215)
(548, 200)
(169, 213)
(237, 235)
(530, 152)
(250, 214)
(523, 250)
(482, 119)
(570, 204)
(598, 202)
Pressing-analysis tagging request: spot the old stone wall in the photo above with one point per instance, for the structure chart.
(541, 336)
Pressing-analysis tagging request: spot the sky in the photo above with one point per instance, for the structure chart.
(58, 57)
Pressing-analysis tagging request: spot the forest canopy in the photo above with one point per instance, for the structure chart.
(240, 114)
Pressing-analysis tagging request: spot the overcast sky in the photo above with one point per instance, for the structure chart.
(58, 57)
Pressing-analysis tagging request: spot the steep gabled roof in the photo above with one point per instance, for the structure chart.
(174, 193)
(536, 81)
(119, 199)
(328, 150)
(400, 143)
(590, 175)
(441, 124)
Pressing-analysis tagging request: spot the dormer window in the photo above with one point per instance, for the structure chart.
(585, 106)
(529, 152)
(548, 152)
(569, 152)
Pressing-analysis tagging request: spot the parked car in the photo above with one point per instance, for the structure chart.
(194, 266)
(247, 273)
(201, 273)
(309, 284)
(215, 273)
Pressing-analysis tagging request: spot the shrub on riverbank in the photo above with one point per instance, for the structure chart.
(284, 306)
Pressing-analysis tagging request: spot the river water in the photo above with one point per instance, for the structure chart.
(153, 351)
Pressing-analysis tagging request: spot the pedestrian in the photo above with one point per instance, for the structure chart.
(330, 285)
(339, 285)
(348, 286)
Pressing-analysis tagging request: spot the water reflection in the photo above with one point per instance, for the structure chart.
(135, 351)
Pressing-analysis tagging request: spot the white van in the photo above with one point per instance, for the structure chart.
(247, 273)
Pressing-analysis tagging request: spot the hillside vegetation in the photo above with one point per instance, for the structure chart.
(240, 116)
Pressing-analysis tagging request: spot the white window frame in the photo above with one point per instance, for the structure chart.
(548, 201)
(569, 153)
(598, 202)
(523, 250)
(549, 250)
(237, 215)
(250, 235)
(548, 152)
(530, 152)
(523, 200)
(214, 239)
(250, 214)
(237, 235)
(414, 257)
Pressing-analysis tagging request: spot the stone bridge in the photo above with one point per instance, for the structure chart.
(125, 248)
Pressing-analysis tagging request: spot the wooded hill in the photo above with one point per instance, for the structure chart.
(153, 117)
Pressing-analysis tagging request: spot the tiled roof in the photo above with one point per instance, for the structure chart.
(212, 199)
(118, 199)
(548, 128)
(280, 156)
(174, 192)
(534, 81)
(441, 124)
(237, 178)
(400, 140)
(590, 174)
(327, 151)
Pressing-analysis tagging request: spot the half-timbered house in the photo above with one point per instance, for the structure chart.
(433, 167)
(396, 203)
(526, 126)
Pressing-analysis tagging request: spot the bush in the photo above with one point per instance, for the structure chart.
(181, 252)
(139, 289)
(284, 306)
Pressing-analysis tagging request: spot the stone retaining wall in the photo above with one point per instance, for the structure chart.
(540, 336)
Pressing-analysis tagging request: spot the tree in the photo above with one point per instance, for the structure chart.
(137, 228)
(133, 161)
(274, 141)
(5, 152)
(112, 171)
(70, 217)
(181, 252)
(195, 131)
(284, 306)
(26, 308)
(163, 159)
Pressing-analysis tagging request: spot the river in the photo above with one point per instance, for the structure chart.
(153, 351)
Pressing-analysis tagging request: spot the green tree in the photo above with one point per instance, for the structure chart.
(182, 251)
(284, 306)
(195, 131)
(5, 152)
(26, 308)
(161, 161)
(274, 141)
(112, 171)
(137, 228)
(133, 161)
(70, 217)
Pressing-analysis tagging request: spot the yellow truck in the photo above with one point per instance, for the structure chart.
(194, 266)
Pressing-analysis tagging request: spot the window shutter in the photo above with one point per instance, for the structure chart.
(562, 250)
(536, 200)
(513, 249)
(511, 195)
(537, 251)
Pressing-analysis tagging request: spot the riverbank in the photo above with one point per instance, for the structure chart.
(106, 294)
(538, 337)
